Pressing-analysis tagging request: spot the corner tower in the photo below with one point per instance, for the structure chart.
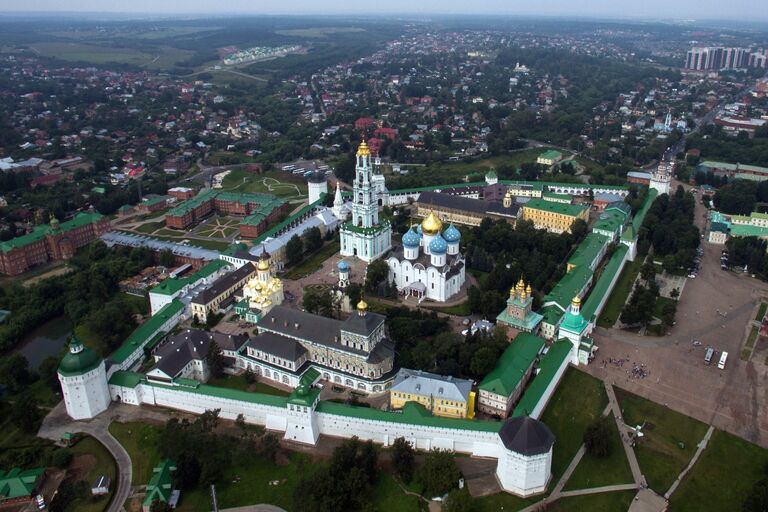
(83, 377)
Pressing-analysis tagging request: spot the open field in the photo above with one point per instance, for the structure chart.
(669, 439)
(321, 32)
(722, 477)
(578, 401)
(100, 54)
(104, 464)
(140, 441)
(313, 262)
(278, 183)
(595, 472)
(219, 226)
(603, 502)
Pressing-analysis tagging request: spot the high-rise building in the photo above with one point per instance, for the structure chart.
(717, 57)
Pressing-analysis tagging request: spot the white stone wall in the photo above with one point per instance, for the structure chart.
(86, 395)
(524, 475)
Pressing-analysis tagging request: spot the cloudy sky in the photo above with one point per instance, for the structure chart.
(674, 9)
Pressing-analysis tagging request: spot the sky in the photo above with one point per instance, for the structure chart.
(747, 10)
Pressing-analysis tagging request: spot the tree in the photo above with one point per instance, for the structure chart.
(215, 360)
(403, 457)
(597, 438)
(648, 271)
(14, 373)
(376, 273)
(757, 499)
(439, 474)
(294, 249)
(48, 372)
(160, 506)
(355, 292)
(459, 500)
(167, 259)
(25, 413)
(313, 239)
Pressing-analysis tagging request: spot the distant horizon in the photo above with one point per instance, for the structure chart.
(749, 12)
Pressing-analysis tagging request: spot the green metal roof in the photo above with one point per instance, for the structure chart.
(288, 221)
(588, 250)
(574, 322)
(551, 154)
(513, 365)
(548, 366)
(411, 414)
(748, 230)
(552, 314)
(536, 185)
(126, 379)
(38, 232)
(610, 221)
(569, 286)
(572, 210)
(146, 331)
(82, 362)
(18, 483)
(171, 286)
(600, 287)
(553, 195)
(160, 484)
(640, 215)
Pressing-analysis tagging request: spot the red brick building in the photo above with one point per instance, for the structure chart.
(181, 193)
(56, 241)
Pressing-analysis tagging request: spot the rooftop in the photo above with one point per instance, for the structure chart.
(422, 383)
(572, 210)
(39, 232)
(513, 365)
(172, 285)
(548, 366)
(146, 331)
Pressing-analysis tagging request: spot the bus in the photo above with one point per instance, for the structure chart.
(708, 355)
(723, 359)
(289, 167)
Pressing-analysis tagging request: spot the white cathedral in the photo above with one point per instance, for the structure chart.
(429, 264)
(364, 236)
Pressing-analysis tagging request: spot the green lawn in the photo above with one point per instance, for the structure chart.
(722, 477)
(621, 291)
(659, 306)
(594, 472)
(387, 495)
(603, 502)
(314, 261)
(278, 183)
(140, 441)
(503, 501)
(253, 485)
(105, 465)
(578, 401)
(150, 227)
(659, 453)
(458, 310)
(761, 311)
(239, 382)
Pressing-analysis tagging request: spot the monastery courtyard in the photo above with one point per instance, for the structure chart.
(717, 309)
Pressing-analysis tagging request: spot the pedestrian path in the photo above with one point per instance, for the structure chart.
(613, 403)
(703, 444)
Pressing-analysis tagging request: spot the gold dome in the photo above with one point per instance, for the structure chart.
(521, 285)
(529, 290)
(576, 301)
(263, 265)
(362, 305)
(258, 287)
(508, 194)
(363, 150)
(431, 225)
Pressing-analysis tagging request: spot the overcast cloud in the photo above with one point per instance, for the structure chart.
(674, 9)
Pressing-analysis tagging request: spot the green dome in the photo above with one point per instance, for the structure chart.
(79, 360)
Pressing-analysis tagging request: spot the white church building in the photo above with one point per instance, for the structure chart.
(428, 265)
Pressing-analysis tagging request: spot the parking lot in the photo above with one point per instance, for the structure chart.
(715, 310)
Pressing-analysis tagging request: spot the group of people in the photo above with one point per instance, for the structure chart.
(638, 370)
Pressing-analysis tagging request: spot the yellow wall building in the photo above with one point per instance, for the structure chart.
(554, 217)
(443, 396)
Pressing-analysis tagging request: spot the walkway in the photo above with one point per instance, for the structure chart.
(702, 445)
(637, 475)
(57, 423)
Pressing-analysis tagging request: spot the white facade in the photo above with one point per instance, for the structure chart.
(364, 236)
(517, 473)
(316, 186)
(85, 395)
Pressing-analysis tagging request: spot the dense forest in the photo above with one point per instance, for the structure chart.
(749, 252)
(714, 144)
(740, 197)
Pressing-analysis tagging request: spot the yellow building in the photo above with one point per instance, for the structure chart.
(554, 217)
(448, 397)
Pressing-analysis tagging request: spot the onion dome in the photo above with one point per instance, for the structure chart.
(419, 230)
(363, 150)
(362, 306)
(411, 238)
(452, 234)
(79, 360)
(263, 265)
(529, 290)
(343, 266)
(438, 245)
(431, 225)
(258, 287)
(576, 301)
